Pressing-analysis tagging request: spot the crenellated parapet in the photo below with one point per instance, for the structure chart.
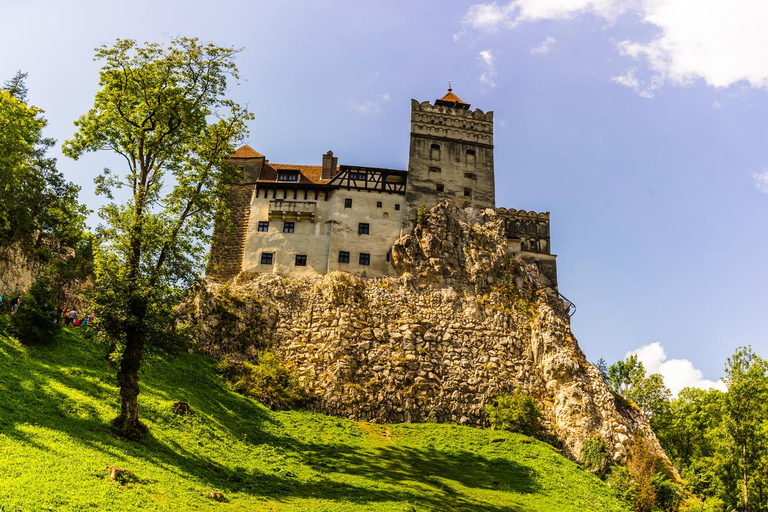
(449, 122)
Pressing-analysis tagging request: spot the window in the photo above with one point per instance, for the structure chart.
(467, 192)
(434, 152)
(343, 256)
(301, 260)
(359, 176)
(389, 255)
(288, 176)
(470, 175)
(397, 207)
(288, 227)
(470, 152)
(347, 203)
(363, 228)
(365, 258)
(434, 169)
(378, 204)
(440, 187)
(263, 225)
(266, 258)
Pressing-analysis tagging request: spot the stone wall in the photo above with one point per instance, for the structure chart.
(229, 234)
(461, 324)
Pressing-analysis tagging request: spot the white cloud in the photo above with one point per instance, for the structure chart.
(544, 47)
(371, 106)
(488, 63)
(366, 107)
(721, 43)
(761, 181)
(677, 373)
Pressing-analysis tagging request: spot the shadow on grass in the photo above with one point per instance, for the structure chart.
(66, 388)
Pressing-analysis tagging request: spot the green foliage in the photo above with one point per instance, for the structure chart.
(668, 495)
(267, 381)
(624, 484)
(37, 206)
(628, 378)
(594, 455)
(163, 109)
(422, 214)
(56, 400)
(516, 412)
(33, 323)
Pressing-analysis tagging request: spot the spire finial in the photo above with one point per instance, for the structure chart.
(449, 86)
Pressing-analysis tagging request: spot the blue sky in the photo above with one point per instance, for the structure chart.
(640, 125)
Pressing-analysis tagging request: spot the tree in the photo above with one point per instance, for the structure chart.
(516, 412)
(37, 205)
(746, 405)
(163, 110)
(622, 374)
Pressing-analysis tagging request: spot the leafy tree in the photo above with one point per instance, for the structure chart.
(37, 205)
(162, 108)
(624, 373)
(746, 405)
(33, 323)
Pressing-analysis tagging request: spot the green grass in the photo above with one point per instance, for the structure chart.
(55, 446)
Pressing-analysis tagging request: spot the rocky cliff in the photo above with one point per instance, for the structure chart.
(461, 324)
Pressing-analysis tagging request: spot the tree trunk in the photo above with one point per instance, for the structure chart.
(744, 477)
(128, 424)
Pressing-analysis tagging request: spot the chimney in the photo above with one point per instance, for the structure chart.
(329, 165)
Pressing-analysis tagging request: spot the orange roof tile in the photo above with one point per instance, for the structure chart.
(451, 97)
(246, 152)
(309, 174)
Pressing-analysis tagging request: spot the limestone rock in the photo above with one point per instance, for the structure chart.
(463, 323)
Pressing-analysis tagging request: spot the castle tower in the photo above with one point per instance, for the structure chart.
(451, 156)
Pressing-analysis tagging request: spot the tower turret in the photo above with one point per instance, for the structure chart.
(451, 155)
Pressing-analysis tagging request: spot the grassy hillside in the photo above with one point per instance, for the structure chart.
(55, 403)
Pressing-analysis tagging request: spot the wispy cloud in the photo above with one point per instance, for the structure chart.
(761, 181)
(488, 64)
(677, 373)
(371, 106)
(721, 43)
(544, 47)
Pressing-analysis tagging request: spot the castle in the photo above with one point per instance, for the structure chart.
(304, 219)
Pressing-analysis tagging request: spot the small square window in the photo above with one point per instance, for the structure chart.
(263, 225)
(301, 260)
(365, 258)
(397, 207)
(288, 227)
(358, 176)
(470, 175)
(266, 258)
(288, 176)
(440, 187)
(467, 192)
(347, 203)
(363, 228)
(343, 256)
(378, 204)
(434, 169)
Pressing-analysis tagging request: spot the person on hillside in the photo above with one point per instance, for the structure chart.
(78, 322)
(59, 314)
(1, 304)
(15, 303)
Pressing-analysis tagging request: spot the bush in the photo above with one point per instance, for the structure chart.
(516, 412)
(623, 484)
(594, 455)
(668, 495)
(34, 322)
(267, 381)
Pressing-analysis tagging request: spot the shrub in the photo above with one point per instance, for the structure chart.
(516, 412)
(668, 495)
(422, 214)
(594, 455)
(623, 484)
(34, 322)
(267, 381)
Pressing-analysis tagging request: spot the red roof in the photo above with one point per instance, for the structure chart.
(308, 174)
(246, 152)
